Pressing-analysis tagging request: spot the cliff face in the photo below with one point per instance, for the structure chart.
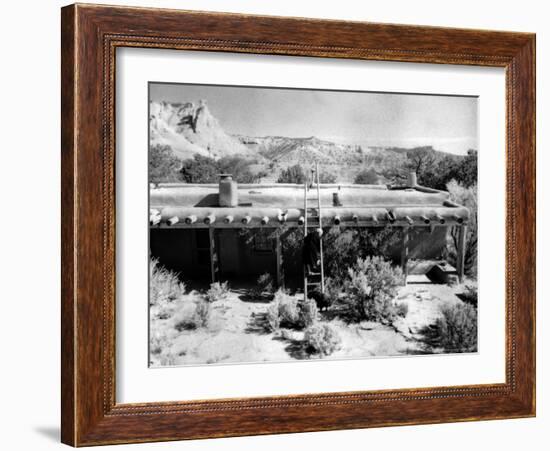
(190, 128)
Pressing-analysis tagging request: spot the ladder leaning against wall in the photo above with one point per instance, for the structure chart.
(315, 281)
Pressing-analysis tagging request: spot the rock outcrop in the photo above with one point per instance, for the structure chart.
(190, 128)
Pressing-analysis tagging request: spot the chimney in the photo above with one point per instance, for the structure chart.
(227, 194)
(411, 182)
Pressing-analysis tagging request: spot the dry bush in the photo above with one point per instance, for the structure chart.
(286, 311)
(164, 285)
(308, 312)
(192, 315)
(457, 328)
(157, 342)
(322, 339)
(470, 295)
(371, 288)
(333, 290)
(217, 292)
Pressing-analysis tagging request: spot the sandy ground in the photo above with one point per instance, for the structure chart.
(236, 331)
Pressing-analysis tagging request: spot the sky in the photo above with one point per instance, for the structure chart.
(448, 123)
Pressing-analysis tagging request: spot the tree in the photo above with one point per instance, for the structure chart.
(163, 164)
(342, 247)
(467, 170)
(293, 174)
(200, 169)
(367, 177)
(238, 167)
(327, 177)
(421, 160)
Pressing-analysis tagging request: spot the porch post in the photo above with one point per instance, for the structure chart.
(279, 257)
(213, 254)
(405, 252)
(460, 252)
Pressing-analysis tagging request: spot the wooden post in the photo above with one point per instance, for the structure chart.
(460, 252)
(279, 255)
(405, 252)
(213, 254)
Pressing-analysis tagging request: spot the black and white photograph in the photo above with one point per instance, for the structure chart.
(296, 224)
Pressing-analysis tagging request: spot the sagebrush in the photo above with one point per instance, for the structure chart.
(192, 315)
(289, 312)
(164, 285)
(370, 289)
(457, 328)
(322, 339)
(217, 292)
(470, 295)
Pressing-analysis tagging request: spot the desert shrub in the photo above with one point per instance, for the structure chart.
(217, 292)
(287, 311)
(322, 339)
(457, 328)
(470, 295)
(367, 177)
(164, 285)
(371, 288)
(282, 311)
(265, 284)
(272, 316)
(157, 342)
(308, 312)
(333, 290)
(341, 248)
(193, 315)
(202, 313)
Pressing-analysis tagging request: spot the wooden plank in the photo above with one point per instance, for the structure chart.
(405, 252)
(461, 251)
(320, 226)
(213, 254)
(279, 255)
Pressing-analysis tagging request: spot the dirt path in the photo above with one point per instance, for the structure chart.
(236, 332)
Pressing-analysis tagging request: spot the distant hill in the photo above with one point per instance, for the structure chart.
(284, 150)
(190, 128)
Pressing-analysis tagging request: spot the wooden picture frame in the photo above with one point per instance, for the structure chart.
(90, 36)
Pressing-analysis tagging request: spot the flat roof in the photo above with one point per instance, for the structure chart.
(270, 205)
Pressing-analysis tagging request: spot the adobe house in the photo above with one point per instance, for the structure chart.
(191, 232)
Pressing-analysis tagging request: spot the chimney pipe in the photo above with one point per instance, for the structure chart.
(412, 182)
(227, 195)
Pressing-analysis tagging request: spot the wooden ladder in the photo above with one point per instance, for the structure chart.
(316, 279)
